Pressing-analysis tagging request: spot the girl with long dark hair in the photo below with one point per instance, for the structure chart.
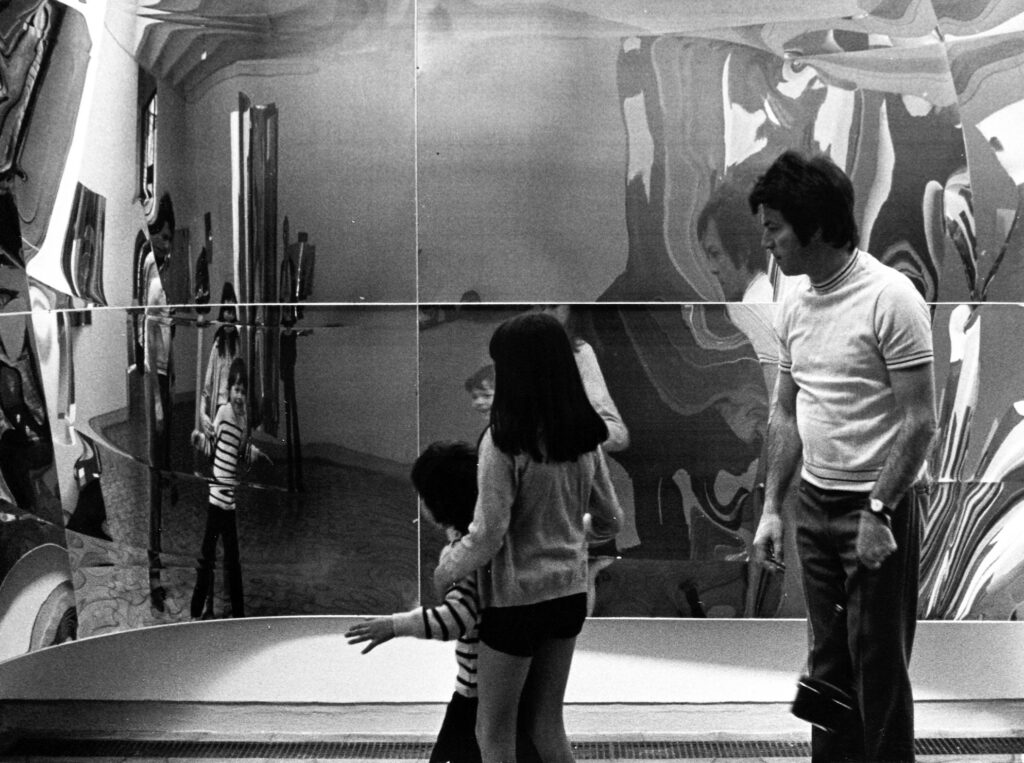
(544, 491)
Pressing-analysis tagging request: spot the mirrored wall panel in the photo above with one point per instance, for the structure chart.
(265, 473)
(251, 260)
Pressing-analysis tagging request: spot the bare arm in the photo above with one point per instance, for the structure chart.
(207, 404)
(783, 453)
(914, 390)
(915, 405)
(784, 446)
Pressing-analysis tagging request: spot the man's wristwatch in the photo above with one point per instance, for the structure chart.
(881, 511)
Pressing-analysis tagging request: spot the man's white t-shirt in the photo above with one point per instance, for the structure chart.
(839, 340)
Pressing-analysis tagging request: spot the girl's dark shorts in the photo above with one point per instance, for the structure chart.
(520, 630)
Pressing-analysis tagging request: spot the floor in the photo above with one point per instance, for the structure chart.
(305, 752)
(981, 731)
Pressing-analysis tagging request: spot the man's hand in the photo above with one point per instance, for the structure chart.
(376, 631)
(768, 541)
(875, 542)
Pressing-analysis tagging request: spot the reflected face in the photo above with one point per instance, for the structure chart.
(733, 279)
(481, 399)
(236, 396)
(161, 241)
(782, 243)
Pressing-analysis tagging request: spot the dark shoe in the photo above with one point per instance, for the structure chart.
(157, 596)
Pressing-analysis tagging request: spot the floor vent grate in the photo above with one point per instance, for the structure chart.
(83, 749)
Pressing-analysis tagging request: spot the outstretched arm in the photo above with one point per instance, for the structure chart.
(453, 618)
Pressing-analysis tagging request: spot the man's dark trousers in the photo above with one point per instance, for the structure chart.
(867, 652)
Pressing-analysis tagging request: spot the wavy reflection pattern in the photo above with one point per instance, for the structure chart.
(105, 487)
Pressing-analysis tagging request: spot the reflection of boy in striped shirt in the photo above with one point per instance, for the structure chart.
(445, 477)
(229, 444)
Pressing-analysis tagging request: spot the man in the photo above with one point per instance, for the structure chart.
(731, 240)
(855, 400)
(156, 334)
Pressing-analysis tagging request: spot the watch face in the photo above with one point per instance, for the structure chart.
(877, 506)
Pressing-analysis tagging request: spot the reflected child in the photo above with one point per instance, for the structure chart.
(480, 387)
(229, 444)
(218, 368)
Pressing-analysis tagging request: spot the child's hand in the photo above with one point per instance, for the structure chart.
(376, 631)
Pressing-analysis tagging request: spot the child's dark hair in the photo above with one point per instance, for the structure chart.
(811, 194)
(483, 376)
(445, 477)
(237, 374)
(540, 406)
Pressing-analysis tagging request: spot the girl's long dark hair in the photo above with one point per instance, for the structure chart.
(226, 341)
(226, 338)
(540, 406)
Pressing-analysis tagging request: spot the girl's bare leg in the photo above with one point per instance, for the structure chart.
(500, 679)
(543, 698)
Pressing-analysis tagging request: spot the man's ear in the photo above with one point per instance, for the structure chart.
(816, 238)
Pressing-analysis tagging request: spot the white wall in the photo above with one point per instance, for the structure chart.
(306, 660)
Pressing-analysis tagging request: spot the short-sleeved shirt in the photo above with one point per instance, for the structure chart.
(839, 340)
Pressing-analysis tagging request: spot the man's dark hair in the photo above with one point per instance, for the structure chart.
(164, 215)
(540, 406)
(444, 475)
(812, 194)
(737, 227)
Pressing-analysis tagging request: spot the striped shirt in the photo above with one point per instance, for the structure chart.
(457, 617)
(230, 444)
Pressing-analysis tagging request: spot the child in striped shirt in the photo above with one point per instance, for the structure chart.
(229, 444)
(445, 477)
